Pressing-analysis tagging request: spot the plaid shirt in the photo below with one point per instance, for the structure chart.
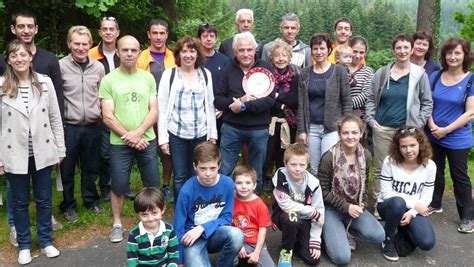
(188, 119)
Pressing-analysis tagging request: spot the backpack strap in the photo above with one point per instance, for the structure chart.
(468, 88)
(435, 80)
(173, 72)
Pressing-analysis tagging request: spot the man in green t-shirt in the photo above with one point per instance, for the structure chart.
(129, 109)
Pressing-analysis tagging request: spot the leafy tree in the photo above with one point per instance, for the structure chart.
(467, 23)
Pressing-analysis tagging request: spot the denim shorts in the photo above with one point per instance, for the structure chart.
(121, 159)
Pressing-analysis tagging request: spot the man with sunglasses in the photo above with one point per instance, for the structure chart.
(155, 59)
(24, 26)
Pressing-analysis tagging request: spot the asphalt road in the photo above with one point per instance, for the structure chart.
(452, 249)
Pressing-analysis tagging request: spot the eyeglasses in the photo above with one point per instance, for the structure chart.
(409, 130)
(108, 18)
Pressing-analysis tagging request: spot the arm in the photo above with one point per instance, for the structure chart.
(316, 226)
(211, 110)
(261, 104)
(135, 136)
(370, 103)
(55, 120)
(288, 205)
(179, 223)
(255, 255)
(55, 75)
(325, 176)
(108, 108)
(345, 92)
(132, 251)
(426, 101)
(163, 98)
(225, 217)
(289, 98)
(301, 123)
(221, 98)
(440, 132)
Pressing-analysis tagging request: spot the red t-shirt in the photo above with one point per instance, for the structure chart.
(249, 216)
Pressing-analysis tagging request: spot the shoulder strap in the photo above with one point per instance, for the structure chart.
(435, 80)
(468, 88)
(204, 73)
(173, 72)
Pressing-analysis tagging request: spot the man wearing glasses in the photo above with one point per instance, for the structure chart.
(24, 26)
(155, 59)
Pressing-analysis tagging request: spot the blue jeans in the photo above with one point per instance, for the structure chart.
(232, 140)
(9, 205)
(318, 143)
(83, 147)
(42, 190)
(365, 227)
(182, 157)
(227, 240)
(104, 168)
(121, 159)
(419, 230)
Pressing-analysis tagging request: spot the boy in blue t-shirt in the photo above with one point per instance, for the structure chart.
(204, 213)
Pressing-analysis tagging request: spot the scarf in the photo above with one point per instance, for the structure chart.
(282, 81)
(349, 179)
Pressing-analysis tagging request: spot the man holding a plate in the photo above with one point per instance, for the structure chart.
(245, 95)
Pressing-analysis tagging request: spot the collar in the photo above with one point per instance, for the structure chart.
(143, 231)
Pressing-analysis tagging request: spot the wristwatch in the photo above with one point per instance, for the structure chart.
(243, 107)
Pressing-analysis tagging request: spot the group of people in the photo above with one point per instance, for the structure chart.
(104, 107)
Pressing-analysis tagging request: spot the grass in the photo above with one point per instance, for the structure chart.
(90, 224)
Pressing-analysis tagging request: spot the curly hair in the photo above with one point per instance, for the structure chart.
(424, 153)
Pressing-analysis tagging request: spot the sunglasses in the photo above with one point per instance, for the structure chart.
(108, 18)
(205, 25)
(409, 130)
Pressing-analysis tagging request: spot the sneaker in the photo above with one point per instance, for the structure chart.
(71, 216)
(24, 257)
(167, 194)
(106, 195)
(129, 195)
(55, 224)
(389, 251)
(97, 209)
(117, 234)
(465, 226)
(435, 210)
(50, 251)
(285, 258)
(352, 241)
(13, 236)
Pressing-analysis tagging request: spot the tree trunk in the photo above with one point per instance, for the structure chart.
(428, 18)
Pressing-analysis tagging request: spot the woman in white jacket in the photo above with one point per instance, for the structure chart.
(407, 184)
(32, 141)
(187, 115)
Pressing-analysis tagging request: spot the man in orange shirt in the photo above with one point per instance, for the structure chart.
(342, 32)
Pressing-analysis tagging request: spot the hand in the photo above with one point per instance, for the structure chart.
(406, 219)
(247, 98)
(321, 221)
(253, 257)
(192, 235)
(243, 253)
(218, 113)
(440, 132)
(2, 170)
(141, 145)
(165, 148)
(355, 211)
(303, 138)
(422, 209)
(212, 140)
(235, 106)
(315, 253)
(132, 137)
(376, 125)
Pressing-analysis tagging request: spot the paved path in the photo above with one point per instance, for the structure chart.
(452, 249)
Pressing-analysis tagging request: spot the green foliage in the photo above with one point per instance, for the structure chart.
(95, 7)
(379, 58)
(467, 23)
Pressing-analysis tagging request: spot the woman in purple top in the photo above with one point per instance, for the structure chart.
(422, 52)
(449, 127)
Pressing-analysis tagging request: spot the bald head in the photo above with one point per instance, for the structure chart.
(128, 51)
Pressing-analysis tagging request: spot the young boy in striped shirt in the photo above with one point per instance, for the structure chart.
(152, 242)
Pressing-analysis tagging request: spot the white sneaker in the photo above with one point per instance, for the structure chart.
(24, 257)
(55, 224)
(50, 251)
